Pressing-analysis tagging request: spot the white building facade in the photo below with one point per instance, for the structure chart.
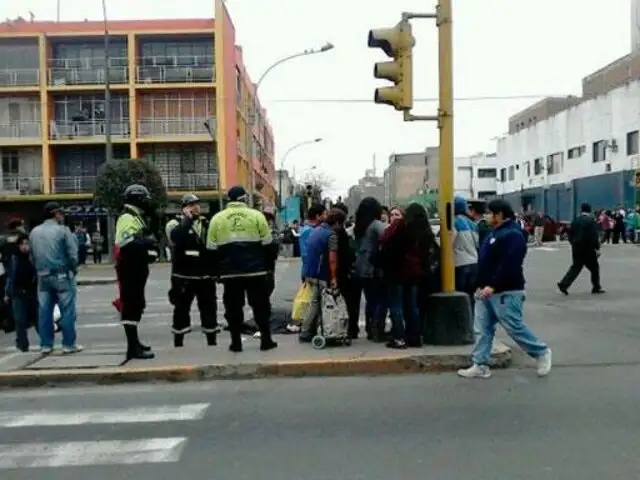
(475, 176)
(586, 153)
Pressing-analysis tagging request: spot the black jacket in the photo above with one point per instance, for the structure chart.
(346, 256)
(191, 259)
(583, 234)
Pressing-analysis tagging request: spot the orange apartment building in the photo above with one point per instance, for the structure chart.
(167, 78)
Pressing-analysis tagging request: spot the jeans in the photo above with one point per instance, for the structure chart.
(314, 313)
(57, 289)
(505, 309)
(374, 305)
(402, 301)
(24, 308)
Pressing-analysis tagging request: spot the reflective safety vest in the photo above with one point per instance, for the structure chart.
(241, 239)
(131, 241)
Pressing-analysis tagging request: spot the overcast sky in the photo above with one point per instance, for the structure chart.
(502, 48)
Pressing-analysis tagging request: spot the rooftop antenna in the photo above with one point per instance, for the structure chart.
(32, 16)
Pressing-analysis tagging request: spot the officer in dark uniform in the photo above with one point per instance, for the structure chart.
(192, 274)
(137, 249)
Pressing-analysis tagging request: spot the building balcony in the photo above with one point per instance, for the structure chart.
(185, 70)
(87, 71)
(15, 185)
(174, 127)
(18, 78)
(19, 131)
(80, 184)
(190, 181)
(61, 130)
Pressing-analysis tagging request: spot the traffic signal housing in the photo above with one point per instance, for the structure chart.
(397, 43)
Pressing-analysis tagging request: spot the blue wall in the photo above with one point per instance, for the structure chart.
(561, 202)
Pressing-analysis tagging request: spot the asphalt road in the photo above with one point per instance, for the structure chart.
(98, 322)
(578, 423)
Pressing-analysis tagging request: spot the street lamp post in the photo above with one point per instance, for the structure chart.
(108, 146)
(253, 113)
(207, 125)
(284, 158)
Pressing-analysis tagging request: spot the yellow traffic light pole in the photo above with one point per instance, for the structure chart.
(443, 17)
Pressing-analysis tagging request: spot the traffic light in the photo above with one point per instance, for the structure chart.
(396, 43)
(309, 190)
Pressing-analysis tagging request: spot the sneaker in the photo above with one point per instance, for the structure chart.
(475, 371)
(543, 364)
(72, 350)
(46, 350)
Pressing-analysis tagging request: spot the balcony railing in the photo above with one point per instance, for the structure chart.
(86, 71)
(159, 127)
(175, 69)
(20, 130)
(60, 130)
(19, 77)
(81, 184)
(12, 184)
(190, 181)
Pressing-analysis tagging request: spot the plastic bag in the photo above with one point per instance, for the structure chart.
(301, 302)
(56, 313)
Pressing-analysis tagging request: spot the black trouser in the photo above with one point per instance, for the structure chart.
(351, 290)
(133, 280)
(97, 255)
(256, 290)
(183, 292)
(588, 259)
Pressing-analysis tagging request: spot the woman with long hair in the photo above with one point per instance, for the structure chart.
(367, 231)
(407, 253)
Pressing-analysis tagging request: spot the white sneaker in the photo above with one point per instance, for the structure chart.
(475, 371)
(543, 364)
(71, 350)
(46, 350)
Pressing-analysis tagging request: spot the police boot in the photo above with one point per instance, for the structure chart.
(212, 339)
(236, 340)
(135, 351)
(178, 340)
(266, 342)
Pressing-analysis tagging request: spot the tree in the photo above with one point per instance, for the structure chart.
(114, 178)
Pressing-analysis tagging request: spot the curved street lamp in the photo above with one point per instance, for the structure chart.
(252, 114)
(284, 157)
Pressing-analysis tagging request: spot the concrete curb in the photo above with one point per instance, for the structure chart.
(95, 281)
(391, 365)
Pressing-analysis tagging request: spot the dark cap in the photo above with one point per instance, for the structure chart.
(237, 193)
(51, 208)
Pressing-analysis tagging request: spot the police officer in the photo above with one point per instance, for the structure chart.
(191, 272)
(241, 240)
(137, 249)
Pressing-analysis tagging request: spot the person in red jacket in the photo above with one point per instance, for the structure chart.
(406, 249)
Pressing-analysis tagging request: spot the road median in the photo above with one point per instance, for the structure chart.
(197, 365)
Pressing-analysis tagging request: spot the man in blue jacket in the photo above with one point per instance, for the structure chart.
(500, 294)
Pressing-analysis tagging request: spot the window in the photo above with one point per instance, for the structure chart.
(599, 153)
(503, 174)
(527, 168)
(537, 166)
(555, 163)
(632, 142)
(512, 173)
(576, 152)
(487, 173)
(10, 162)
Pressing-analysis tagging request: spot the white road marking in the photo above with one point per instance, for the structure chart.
(546, 249)
(10, 356)
(145, 414)
(104, 452)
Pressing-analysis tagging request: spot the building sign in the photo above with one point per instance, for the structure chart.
(88, 210)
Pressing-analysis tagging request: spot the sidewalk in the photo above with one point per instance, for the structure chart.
(195, 362)
(96, 275)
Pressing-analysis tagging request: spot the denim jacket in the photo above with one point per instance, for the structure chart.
(53, 249)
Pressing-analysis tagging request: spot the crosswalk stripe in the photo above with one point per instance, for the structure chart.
(102, 452)
(165, 413)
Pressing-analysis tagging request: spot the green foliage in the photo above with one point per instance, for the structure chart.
(114, 178)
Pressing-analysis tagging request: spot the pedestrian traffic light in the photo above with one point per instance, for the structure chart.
(396, 43)
(309, 190)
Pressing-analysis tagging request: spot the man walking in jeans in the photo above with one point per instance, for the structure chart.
(500, 295)
(55, 257)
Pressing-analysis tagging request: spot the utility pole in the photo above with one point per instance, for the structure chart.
(108, 145)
